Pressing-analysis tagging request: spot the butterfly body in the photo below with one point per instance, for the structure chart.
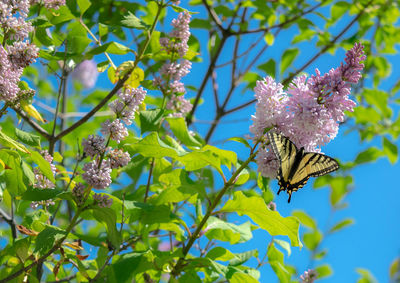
(297, 166)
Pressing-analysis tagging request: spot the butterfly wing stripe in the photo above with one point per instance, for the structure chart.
(319, 164)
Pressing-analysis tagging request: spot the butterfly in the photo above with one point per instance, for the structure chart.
(297, 166)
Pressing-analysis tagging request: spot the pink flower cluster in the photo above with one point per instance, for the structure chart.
(172, 72)
(309, 276)
(15, 53)
(309, 112)
(128, 104)
(86, 73)
(99, 177)
(177, 40)
(42, 182)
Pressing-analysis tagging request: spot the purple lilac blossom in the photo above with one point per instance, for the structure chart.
(102, 200)
(128, 103)
(53, 4)
(179, 105)
(94, 145)
(21, 54)
(272, 206)
(118, 158)
(98, 178)
(172, 72)
(309, 276)
(42, 182)
(177, 40)
(86, 73)
(309, 112)
(116, 130)
(78, 192)
(9, 77)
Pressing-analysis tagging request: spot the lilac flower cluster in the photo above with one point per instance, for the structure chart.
(118, 158)
(309, 112)
(94, 145)
(102, 200)
(42, 182)
(78, 192)
(15, 53)
(309, 276)
(86, 73)
(97, 176)
(128, 103)
(172, 72)
(177, 40)
(124, 107)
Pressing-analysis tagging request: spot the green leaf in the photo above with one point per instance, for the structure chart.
(148, 213)
(241, 258)
(366, 276)
(150, 120)
(285, 245)
(269, 68)
(271, 221)
(44, 166)
(152, 146)
(368, 155)
(130, 264)
(269, 38)
(200, 23)
(226, 157)
(47, 238)
(312, 239)
(26, 168)
(241, 140)
(243, 176)
(287, 58)
(131, 21)
(324, 271)
(179, 128)
(218, 229)
(379, 99)
(339, 9)
(394, 270)
(177, 187)
(305, 219)
(9, 142)
(35, 194)
(390, 149)
(275, 259)
(220, 253)
(14, 176)
(342, 224)
(107, 216)
(110, 47)
(28, 138)
(62, 15)
(239, 277)
(339, 186)
(83, 5)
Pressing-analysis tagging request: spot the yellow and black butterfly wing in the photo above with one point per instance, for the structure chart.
(285, 151)
(317, 164)
(297, 166)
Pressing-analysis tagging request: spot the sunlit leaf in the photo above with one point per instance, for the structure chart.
(271, 221)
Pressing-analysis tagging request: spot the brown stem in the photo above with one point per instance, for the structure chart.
(176, 269)
(33, 124)
(149, 179)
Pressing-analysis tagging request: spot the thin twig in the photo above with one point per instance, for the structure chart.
(10, 221)
(149, 179)
(33, 124)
